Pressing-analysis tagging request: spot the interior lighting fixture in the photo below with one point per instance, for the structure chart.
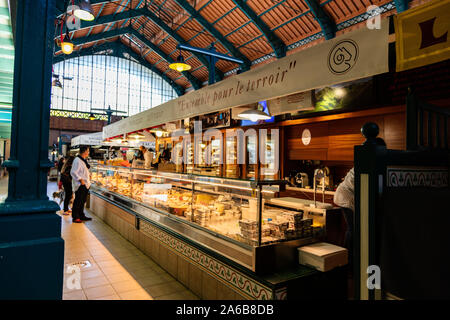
(339, 92)
(84, 11)
(91, 116)
(136, 135)
(66, 45)
(253, 115)
(180, 65)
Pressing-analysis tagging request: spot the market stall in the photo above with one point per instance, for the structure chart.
(105, 150)
(243, 194)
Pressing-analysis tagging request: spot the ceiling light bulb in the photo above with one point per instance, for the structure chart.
(180, 65)
(253, 118)
(253, 115)
(159, 133)
(339, 92)
(67, 45)
(84, 12)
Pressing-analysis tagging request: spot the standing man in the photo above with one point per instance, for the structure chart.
(80, 184)
(148, 157)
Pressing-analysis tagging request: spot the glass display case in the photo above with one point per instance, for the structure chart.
(251, 157)
(189, 157)
(269, 168)
(229, 215)
(232, 168)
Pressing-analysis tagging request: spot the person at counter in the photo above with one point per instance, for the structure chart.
(345, 198)
(80, 184)
(148, 157)
(66, 180)
(125, 162)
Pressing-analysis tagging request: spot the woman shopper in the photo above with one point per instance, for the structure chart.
(66, 180)
(80, 183)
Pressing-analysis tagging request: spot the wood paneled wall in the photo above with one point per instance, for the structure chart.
(333, 139)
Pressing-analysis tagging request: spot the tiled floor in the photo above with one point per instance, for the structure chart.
(118, 271)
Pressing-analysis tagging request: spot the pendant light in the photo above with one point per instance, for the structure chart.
(92, 117)
(136, 135)
(158, 132)
(180, 65)
(84, 11)
(66, 45)
(253, 115)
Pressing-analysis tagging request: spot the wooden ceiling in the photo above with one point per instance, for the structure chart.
(256, 31)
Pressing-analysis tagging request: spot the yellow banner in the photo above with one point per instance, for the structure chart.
(423, 35)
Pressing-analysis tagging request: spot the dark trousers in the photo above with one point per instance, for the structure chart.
(67, 185)
(348, 215)
(78, 203)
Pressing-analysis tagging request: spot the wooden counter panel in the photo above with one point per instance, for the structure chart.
(335, 140)
(319, 136)
(395, 131)
(307, 154)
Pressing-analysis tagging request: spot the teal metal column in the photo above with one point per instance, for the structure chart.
(31, 247)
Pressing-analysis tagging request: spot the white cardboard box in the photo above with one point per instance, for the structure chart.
(323, 256)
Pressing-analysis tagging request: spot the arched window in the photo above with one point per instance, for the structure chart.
(99, 81)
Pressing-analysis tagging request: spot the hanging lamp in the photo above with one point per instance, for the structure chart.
(92, 117)
(254, 115)
(136, 135)
(84, 11)
(66, 44)
(180, 65)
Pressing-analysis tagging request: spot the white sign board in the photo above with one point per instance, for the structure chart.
(354, 55)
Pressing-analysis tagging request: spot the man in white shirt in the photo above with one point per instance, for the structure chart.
(80, 184)
(148, 157)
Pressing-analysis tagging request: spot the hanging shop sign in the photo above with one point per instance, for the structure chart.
(219, 119)
(93, 139)
(354, 55)
(292, 103)
(423, 35)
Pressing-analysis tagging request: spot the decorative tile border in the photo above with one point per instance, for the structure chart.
(281, 294)
(417, 177)
(217, 269)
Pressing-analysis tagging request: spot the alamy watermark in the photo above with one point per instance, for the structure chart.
(230, 148)
(73, 281)
(374, 20)
(374, 277)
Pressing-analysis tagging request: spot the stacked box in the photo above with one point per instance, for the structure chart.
(294, 219)
(307, 232)
(291, 234)
(249, 229)
(201, 217)
(317, 231)
(278, 229)
(307, 223)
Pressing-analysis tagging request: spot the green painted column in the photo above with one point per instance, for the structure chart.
(31, 247)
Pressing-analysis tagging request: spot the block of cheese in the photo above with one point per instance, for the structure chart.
(323, 256)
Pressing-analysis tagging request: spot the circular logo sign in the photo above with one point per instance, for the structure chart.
(343, 56)
(306, 137)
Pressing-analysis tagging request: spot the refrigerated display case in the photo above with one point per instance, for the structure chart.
(230, 216)
(232, 168)
(251, 157)
(269, 168)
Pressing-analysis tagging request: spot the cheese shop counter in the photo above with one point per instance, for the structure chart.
(232, 222)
